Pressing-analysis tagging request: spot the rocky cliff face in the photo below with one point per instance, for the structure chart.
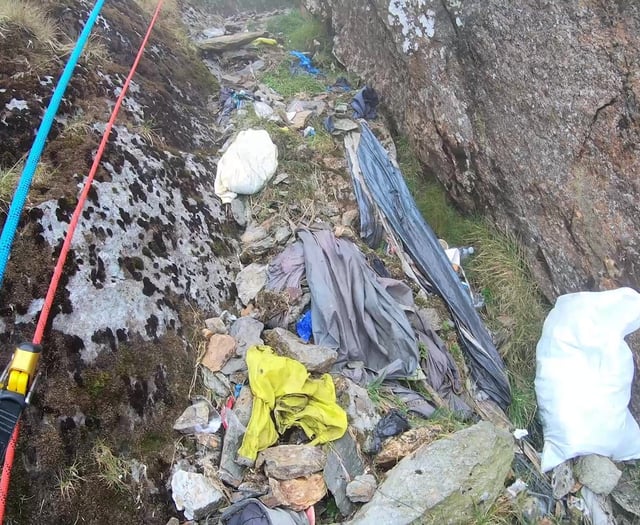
(527, 112)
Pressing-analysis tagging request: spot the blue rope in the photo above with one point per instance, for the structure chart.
(20, 196)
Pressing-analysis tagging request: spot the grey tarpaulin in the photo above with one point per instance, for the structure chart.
(254, 512)
(388, 190)
(352, 310)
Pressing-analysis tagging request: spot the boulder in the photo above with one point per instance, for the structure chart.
(362, 488)
(532, 124)
(447, 481)
(291, 461)
(219, 44)
(250, 280)
(220, 348)
(598, 473)
(315, 358)
(216, 382)
(195, 494)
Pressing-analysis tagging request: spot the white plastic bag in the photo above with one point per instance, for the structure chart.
(248, 164)
(584, 371)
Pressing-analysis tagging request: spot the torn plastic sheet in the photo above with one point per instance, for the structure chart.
(382, 181)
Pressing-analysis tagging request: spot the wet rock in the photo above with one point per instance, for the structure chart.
(398, 447)
(216, 325)
(361, 412)
(173, 521)
(291, 461)
(216, 382)
(227, 42)
(597, 472)
(344, 464)
(193, 418)
(220, 348)
(315, 358)
(246, 331)
(362, 488)
(195, 494)
(250, 280)
(448, 480)
(299, 493)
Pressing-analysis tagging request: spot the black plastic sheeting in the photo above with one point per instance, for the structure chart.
(388, 191)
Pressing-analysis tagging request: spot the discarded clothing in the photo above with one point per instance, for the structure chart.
(365, 103)
(263, 41)
(283, 386)
(353, 312)
(230, 100)
(392, 424)
(382, 181)
(304, 62)
(248, 164)
(253, 512)
(341, 84)
(303, 327)
(584, 371)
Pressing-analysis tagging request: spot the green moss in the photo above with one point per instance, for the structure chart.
(300, 32)
(288, 85)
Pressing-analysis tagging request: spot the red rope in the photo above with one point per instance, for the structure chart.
(57, 273)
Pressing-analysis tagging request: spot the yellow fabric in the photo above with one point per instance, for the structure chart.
(266, 41)
(283, 386)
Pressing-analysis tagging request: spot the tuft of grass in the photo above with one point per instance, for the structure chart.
(114, 471)
(31, 18)
(68, 481)
(300, 32)
(8, 181)
(288, 85)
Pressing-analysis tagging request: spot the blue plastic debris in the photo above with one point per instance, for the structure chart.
(309, 131)
(237, 389)
(303, 327)
(305, 62)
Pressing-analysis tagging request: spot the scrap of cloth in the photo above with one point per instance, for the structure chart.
(390, 195)
(352, 310)
(282, 386)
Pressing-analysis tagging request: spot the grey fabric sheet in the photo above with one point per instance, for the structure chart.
(370, 320)
(254, 512)
(352, 311)
(386, 186)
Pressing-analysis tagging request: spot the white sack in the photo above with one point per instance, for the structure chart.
(248, 164)
(584, 371)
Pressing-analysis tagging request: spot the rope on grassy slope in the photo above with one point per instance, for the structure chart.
(24, 183)
(57, 273)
